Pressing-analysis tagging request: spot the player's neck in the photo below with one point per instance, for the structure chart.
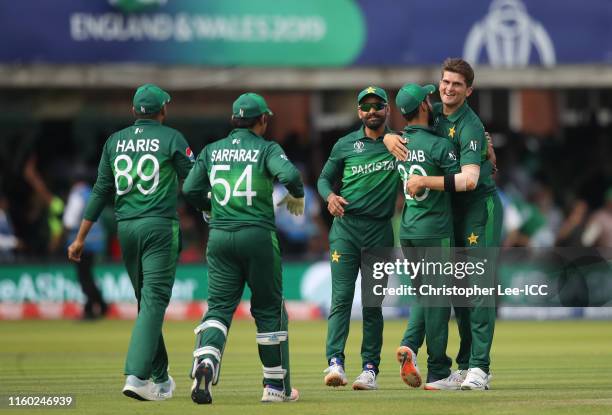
(259, 130)
(417, 123)
(374, 134)
(448, 110)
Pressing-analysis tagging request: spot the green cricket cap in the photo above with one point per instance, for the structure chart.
(250, 105)
(150, 99)
(372, 90)
(410, 96)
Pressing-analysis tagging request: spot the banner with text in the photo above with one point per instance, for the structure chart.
(293, 33)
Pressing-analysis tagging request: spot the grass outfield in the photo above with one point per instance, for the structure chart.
(559, 367)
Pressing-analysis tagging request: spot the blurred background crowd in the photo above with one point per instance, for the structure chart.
(543, 89)
(556, 187)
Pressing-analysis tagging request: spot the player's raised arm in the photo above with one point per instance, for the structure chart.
(396, 144)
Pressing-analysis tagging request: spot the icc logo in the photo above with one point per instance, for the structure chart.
(358, 146)
(507, 36)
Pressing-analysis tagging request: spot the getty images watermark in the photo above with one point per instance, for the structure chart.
(486, 277)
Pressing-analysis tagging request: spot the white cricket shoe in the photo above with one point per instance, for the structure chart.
(476, 379)
(409, 371)
(143, 390)
(365, 381)
(166, 388)
(451, 383)
(335, 375)
(271, 395)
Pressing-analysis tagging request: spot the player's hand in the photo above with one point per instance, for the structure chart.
(335, 204)
(295, 205)
(414, 185)
(491, 151)
(75, 250)
(396, 146)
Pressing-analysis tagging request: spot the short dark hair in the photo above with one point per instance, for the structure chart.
(458, 65)
(412, 114)
(245, 122)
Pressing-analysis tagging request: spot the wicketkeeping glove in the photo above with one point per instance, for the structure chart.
(295, 205)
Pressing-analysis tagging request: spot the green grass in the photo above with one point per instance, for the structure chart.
(559, 367)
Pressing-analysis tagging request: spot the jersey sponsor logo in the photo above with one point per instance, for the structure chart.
(138, 130)
(137, 145)
(189, 154)
(250, 156)
(359, 146)
(473, 145)
(373, 167)
(452, 156)
(508, 36)
(236, 141)
(284, 157)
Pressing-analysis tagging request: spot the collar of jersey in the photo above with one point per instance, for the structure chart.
(417, 127)
(459, 113)
(362, 135)
(142, 121)
(244, 131)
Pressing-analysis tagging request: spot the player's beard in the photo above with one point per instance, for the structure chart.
(374, 122)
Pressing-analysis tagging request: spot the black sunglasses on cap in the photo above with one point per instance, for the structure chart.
(376, 105)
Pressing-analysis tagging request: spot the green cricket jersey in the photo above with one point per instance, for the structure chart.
(369, 181)
(465, 130)
(428, 215)
(239, 171)
(141, 166)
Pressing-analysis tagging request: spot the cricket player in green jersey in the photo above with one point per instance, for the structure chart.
(478, 214)
(140, 168)
(239, 172)
(426, 229)
(362, 212)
